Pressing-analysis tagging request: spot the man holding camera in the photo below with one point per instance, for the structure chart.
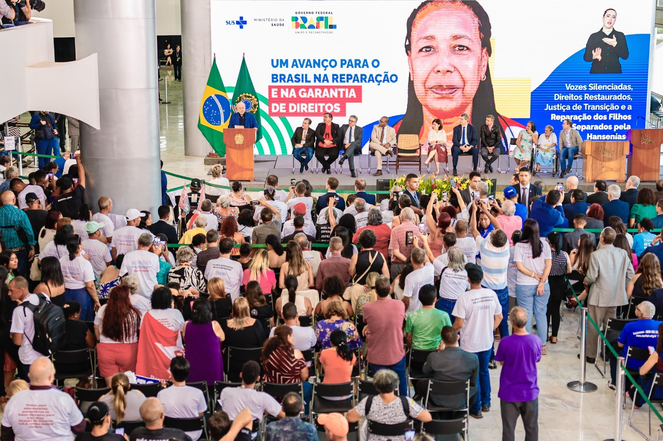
(46, 136)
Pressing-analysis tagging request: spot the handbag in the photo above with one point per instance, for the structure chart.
(370, 265)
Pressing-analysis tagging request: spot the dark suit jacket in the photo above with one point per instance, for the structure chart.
(471, 134)
(369, 198)
(357, 143)
(414, 202)
(616, 208)
(297, 137)
(567, 198)
(324, 202)
(600, 198)
(629, 196)
(249, 121)
(658, 195)
(658, 221)
(570, 210)
(210, 253)
(466, 195)
(320, 134)
(161, 227)
(490, 138)
(534, 191)
(571, 239)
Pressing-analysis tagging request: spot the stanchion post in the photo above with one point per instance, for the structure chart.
(165, 85)
(619, 401)
(582, 386)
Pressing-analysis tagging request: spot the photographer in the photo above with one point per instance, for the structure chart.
(46, 136)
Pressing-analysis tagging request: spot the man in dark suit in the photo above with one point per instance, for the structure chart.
(599, 196)
(360, 190)
(615, 207)
(351, 141)
(332, 185)
(572, 184)
(328, 139)
(303, 142)
(465, 141)
(658, 220)
(241, 118)
(411, 191)
(471, 192)
(630, 195)
(162, 226)
(526, 191)
(577, 206)
(490, 142)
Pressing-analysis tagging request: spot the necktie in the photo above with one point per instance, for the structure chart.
(382, 135)
(524, 196)
(351, 133)
(464, 138)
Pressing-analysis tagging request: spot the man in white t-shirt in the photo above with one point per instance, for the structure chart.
(466, 242)
(304, 336)
(22, 189)
(230, 271)
(234, 399)
(478, 313)
(296, 196)
(270, 198)
(103, 217)
(125, 239)
(180, 400)
(42, 412)
(423, 274)
(23, 327)
(97, 251)
(142, 263)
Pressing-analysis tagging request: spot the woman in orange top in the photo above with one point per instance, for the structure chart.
(338, 360)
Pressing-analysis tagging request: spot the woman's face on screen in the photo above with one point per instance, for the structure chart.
(446, 60)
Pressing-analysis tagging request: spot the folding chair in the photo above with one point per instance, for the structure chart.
(366, 388)
(408, 151)
(202, 385)
(447, 428)
(616, 325)
(149, 389)
(311, 361)
(186, 424)
(448, 388)
(129, 426)
(218, 388)
(74, 364)
(419, 357)
(85, 397)
(656, 382)
(235, 359)
(323, 405)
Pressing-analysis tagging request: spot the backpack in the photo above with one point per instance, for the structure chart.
(382, 429)
(49, 325)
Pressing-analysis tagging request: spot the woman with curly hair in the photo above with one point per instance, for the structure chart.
(647, 278)
(336, 318)
(230, 229)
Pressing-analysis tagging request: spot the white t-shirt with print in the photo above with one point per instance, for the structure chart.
(283, 209)
(99, 255)
(523, 254)
(308, 201)
(23, 323)
(140, 303)
(52, 250)
(413, 283)
(469, 247)
(80, 228)
(183, 402)
(442, 261)
(478, 308)
(171, 319)
(453, 284)
(31, 188)
(44, 414)
(108, 226)
(229, 271)
(98, 321)
(145, 266)
(76, 272)
(125, 239)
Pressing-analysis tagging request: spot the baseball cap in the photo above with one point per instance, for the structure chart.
(335, 423)
(195, 183)
(510, 192)
(97, 412)
(299, 208)
(31, 197)
(93, 226)
(133, 214)
(65, 183)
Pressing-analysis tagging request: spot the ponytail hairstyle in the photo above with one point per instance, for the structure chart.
(120, 386)
(73, 242)
(339, 339)
(291, 285)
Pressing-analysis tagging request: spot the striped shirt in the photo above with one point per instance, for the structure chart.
(11, 216)
(494, 263)
(281, 367)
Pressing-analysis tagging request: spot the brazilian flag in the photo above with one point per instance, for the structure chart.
(244, 91)
(214, 111)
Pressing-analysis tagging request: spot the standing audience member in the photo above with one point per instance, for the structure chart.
(549, 213)
(423, 274)
(97, 251)
(560, 266)
(124, 403)
(423, 327)
(453, 280)
(16, 231)
(152, 413)
(125, 239)
(79, 279)
(22, 326)
(401, 242)
(225, 268)
(368, 260)
(202, 338)
(478, 313)
(143, 264)
(519, 391)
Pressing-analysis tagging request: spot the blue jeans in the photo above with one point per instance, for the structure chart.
(503, 296)
(303, 155)
(308, 394)
(447, 305)
(566, 157)
(535, 305)
(399, 368)
(48, 147)
(483, 395)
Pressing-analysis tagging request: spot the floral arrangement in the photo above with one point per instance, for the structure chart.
(439, 184)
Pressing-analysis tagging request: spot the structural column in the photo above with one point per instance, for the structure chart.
(122, 157)
(196, 64)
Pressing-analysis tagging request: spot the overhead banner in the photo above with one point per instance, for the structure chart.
(414, 62)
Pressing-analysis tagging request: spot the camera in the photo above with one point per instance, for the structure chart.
(37, 5)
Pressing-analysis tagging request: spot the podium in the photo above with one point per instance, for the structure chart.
(645, 158)
(239, 153)
(605, 160)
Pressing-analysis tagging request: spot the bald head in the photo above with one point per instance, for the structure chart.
(518, 317)
(571, 182)
(152, 413)
(104, 202)
(8, 198)
(42, 372)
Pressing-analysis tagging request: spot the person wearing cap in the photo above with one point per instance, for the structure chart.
(22, 190)
(100, 420)
(511, 194)
(97, 251)
(125, 239)
(194, 194)
(298, 225)
(144, 264)
(298, 194)
(70, 199)
(336, 426)
(478, 313)
(270, 196)
(35, 212)
(292, 427)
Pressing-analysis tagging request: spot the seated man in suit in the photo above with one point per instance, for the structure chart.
(577, 206)
(303, 141)
(360, 190)
(599, 196)
(616, 207)
(241, 118)
(630, 193)
(328, 139)
(572, 184)
(490, 143)
(658, 220)
(465, 141)
(383, 138)
(526, 191)
(351, 136)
